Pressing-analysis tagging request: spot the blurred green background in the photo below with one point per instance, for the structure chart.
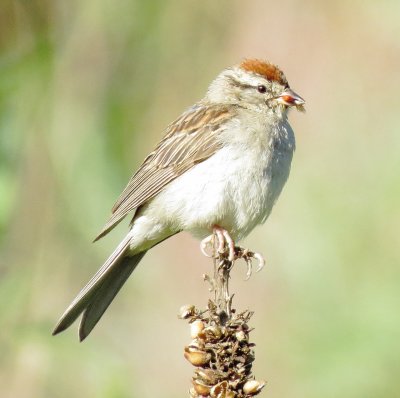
(86, 89)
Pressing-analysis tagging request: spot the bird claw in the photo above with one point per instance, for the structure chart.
(249, 269)
(261, 261)
(204, 243)
(248, 256)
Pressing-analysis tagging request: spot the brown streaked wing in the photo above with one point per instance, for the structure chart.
(191, 139)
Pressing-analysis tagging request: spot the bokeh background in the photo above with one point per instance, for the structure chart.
(86, 89)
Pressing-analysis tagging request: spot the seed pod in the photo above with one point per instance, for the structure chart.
(207, 376)
(253, 387)
(193, 392)
(213, 333)
(201, 388)
(196, 357)
(196, 328)
(197, 343)
(186, 311)
(219, 390)
(241, 336)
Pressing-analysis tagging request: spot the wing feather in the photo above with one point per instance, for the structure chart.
(191, 139)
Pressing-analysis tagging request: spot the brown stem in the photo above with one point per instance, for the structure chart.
(223, 300)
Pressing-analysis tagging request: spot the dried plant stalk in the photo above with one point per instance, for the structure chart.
(220, 349)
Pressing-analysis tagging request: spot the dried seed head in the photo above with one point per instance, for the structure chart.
(196, 328)
(196, 357)
(219, 390)
(213, 333)
(241, 336)
(193, 392)
(208, 376)
(201, 388)
(253, 387)
(186, 311)
(197, 343)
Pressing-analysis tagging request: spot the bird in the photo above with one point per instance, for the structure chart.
(219, 169)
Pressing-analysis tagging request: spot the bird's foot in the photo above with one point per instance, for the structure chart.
(248, 256)
(221, 238)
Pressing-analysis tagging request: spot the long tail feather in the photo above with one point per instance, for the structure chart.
(106, 293)
(97, 295)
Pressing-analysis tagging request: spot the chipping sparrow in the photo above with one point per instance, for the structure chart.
(220, 167)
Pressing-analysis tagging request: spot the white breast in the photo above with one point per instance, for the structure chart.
(236, 188)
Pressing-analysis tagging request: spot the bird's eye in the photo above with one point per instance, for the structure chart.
(261, 89)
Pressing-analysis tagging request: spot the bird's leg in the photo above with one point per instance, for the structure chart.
(223, 239)
(231, 244)
(219, 232)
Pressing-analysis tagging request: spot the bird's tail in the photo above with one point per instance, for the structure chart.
(100, 291)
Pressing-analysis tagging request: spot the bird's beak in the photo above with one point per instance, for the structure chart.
(290, 98)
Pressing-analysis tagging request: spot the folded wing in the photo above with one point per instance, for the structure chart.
(191, 139)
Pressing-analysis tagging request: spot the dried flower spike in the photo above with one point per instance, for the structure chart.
(220, 347)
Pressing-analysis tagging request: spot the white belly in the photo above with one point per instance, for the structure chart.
(236, 188)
